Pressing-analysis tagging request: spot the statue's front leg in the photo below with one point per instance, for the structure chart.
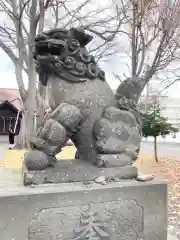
(57, 129)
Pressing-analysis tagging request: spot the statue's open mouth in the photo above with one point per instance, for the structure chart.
(53, 47)
(54, 43)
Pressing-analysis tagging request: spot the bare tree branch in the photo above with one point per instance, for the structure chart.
(46, 5)
(9, 52)
(153, 34)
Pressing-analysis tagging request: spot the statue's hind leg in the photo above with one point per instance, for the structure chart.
(57, 129)
(117, 138)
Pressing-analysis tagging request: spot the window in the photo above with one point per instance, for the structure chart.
(2, 124)
(5, 123)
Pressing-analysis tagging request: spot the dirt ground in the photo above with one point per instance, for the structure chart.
(168, 169)
(14, 158)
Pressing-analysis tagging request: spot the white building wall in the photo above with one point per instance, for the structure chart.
(171, 110)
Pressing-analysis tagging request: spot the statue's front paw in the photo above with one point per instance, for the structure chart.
(36, 160)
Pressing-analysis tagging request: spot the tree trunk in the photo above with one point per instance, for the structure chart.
(42, 104)
(133, 41)
(20, 139)
(155, 149)
(27, 126)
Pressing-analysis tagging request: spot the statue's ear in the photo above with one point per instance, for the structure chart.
(81, 36)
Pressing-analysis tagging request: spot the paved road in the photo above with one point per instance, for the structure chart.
(164, 149)
(3, 149)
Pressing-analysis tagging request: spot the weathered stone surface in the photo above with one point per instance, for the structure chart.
(54, 133)
(108, 220)
(113, 160)
(40, 160)
(127, 210)
(76, 171)
(84, 108)
(68, 115)
(145, 177)
(116, 131)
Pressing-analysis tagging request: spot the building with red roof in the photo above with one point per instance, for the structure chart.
(10, 110)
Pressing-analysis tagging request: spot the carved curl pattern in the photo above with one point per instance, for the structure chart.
(126, 103)
(63, 53)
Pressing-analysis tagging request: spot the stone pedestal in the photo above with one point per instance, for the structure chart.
(75, 171)
(126, 210)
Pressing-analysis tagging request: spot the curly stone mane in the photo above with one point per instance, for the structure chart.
(63, 53)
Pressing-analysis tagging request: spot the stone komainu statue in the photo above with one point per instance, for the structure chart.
(105, 127)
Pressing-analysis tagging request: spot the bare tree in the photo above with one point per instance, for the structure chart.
(25, 18)
(152, 34)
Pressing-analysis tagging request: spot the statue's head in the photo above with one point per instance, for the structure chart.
(54, 42)
(63, 52)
